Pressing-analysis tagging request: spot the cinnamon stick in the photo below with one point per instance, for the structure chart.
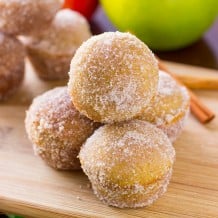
(199, 81)
(198, 108)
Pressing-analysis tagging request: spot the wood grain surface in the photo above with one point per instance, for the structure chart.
(29, 187)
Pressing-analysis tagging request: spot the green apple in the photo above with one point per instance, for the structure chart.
(163, 24)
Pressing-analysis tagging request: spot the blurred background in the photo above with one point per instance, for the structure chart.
(191, 38)
(177, 30)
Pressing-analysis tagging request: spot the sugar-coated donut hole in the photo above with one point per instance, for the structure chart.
(51, 50)
(128, 164)
(65, 34)
(12, 55)
(112, 77)
(169, 109)
(57, 130)
(26, 17)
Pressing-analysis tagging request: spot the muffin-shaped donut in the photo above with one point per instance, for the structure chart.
(51, 50)
(12, 55)
(113, 76)
(128, 164)
(169, 108)
(57, 130)
(26, 16)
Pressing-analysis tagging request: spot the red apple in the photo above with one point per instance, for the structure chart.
(85, 7)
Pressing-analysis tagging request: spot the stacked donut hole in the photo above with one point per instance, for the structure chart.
(119, 116)
(48, 35)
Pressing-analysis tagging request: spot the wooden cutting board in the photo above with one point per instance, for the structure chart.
(29, 187)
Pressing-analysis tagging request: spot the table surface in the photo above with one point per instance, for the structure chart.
(202, 53)
(31, 188)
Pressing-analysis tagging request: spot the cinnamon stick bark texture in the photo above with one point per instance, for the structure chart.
(198, 108)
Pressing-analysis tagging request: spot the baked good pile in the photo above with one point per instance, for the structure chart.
(41, 31)
(119, 115)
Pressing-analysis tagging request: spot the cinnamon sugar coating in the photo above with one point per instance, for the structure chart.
(27, 16)
(12, 55)
(57, 130)
(51, 50)
(169, 109)
(129, 164)
(113, 76)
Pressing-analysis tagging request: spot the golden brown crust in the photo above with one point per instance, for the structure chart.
(57, 130)
(27, 16)
(129, 164)
(112, 77)
(133, 196)
(12, 55)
